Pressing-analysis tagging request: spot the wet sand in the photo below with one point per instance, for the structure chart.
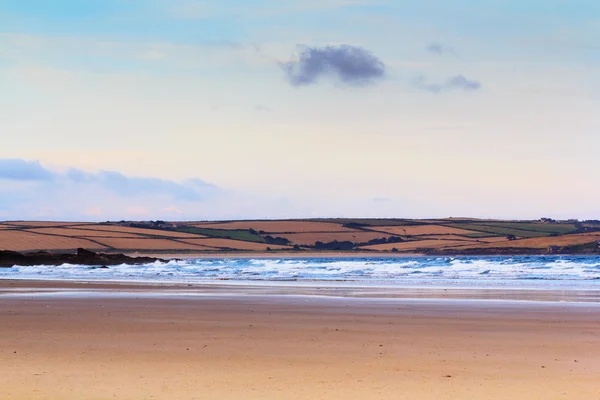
(149, 342)
(273, 254)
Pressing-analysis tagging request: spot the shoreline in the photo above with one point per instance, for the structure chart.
(272, 255)
(300, 255)
(257, 347)
(332, 290)
(310, 255)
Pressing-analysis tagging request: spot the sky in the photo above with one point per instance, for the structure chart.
(231, 109)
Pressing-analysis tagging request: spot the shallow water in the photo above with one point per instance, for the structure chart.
(563, 272)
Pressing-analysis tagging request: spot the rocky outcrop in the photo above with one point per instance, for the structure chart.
(81, 257)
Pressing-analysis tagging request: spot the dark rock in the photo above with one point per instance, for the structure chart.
(81, 257)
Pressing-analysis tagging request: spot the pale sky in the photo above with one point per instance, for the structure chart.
(181, 109)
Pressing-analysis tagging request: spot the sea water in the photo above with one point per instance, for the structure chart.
(520, 271)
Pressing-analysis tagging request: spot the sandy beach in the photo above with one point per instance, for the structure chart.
(121, 342)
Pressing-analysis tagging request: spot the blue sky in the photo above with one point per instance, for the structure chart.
(300, 108)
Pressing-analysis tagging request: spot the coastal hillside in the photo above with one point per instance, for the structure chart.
(439, 236)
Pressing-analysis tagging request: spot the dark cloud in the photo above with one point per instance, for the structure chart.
(439, 49)
(22, 170)
(454, 83)
(351, 65)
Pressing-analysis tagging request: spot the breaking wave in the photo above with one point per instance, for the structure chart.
(405, 270)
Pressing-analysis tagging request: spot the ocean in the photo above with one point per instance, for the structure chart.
(563, 272)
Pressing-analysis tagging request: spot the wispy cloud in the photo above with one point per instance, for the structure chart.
(439, 49)
(26, 171)
(349, 64)
(261, 108)
(22, 170)
(30, 190)
(454, 83)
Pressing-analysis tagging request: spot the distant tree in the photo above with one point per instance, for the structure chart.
(353, 225)
(276, 240)
(394, 250)
(511, 237)
(377, 241)
(269, 249)
(252, 231)
(335, 245)
(395, 239)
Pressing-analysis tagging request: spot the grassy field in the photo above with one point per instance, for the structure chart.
(371, 221)
(499, 230)
(534, 227)
(416, 230)
(409, 236)
(275, 227)
(236, 234)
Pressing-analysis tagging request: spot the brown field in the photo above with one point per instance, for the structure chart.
(494, 239)
(63, 236)
(544, 242)
(43, 223)
(423, 230)
(74, 232)
(17, 240)
(417, 244)
(234, 244)
(149, 244)
(312, 238)
(126, 229)
(277, 226)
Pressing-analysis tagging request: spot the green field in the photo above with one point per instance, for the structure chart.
(370, 221)
(478, 234)
(500, 231)
(238, 234)
(535, 227)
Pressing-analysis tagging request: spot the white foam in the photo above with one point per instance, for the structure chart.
(476, 270)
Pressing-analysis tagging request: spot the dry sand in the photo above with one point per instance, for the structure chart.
(265, 347)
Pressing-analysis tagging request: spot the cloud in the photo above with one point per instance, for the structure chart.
(260, 108)
(454, 83)
(27, 171)
(30, 190)
(351, 65)
(439, 49)
(192, 190)
(22, 170)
